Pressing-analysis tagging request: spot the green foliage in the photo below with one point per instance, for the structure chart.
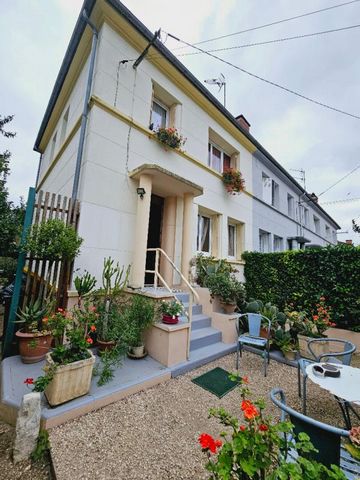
(52, 240)
(170, 137)
(206, 266)
(42, 447)
(227, 287)
(7, 270)
(138, 317)
(109, 359)
(84, 284)
(32, 317)
(173, 308)
(233, 181)
(301, 277)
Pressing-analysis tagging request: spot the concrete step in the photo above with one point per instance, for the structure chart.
(196, 308)
(183, 297)
(203, 355)
(203, 337)
(200, 321)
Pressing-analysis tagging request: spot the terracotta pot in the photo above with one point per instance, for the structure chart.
(228, 307)
(102, 346)
(264, 332)
(70, 381)
(318, 348)
(33, 347)
(170, 320)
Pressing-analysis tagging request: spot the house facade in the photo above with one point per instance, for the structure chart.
(134, 193)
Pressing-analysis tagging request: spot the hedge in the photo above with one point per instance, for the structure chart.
(300, 277)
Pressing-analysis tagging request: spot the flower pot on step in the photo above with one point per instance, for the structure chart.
(170, 319)
(290, 354)
(70, 381)
(33, 347)
(318, 348)
(137, 352)
(102, 346)
(229, 308)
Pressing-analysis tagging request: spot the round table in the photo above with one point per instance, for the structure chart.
(346, 388)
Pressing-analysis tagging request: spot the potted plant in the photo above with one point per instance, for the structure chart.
(138, 317)
(233, 181)
(289, 350)
(171, 311)
(227, 288)
(35, 337)
(114, 281)
(170, 137)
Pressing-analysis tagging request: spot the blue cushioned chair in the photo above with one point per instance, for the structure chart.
(325, 438)
(252, 337)
(342, 356)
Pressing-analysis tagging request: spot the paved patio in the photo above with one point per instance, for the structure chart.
(153, 435)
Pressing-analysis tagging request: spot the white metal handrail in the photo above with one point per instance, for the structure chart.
(157, 276)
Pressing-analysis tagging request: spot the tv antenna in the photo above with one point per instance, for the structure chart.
(220, 82)
(301, 176)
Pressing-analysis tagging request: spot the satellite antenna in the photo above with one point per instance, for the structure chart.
(220, 82)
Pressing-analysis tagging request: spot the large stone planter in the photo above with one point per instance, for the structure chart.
(70, 381)
(318, 348)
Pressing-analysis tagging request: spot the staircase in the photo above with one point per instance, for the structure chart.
(205, 342)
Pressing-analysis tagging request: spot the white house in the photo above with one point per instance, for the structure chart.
(96, 144)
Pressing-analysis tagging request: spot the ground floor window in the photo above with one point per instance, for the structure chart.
(278, 244)
(264, 241)
(203, 234)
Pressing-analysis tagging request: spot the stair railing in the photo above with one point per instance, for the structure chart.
(158, 277)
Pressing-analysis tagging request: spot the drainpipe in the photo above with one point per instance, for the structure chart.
(85, 112)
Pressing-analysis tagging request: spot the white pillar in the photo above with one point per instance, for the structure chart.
(186, 252)
(141, 233)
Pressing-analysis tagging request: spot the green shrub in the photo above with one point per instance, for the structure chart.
(7, 270)
(52, 240)
(206, 266)
(226, 287)
(300, 277)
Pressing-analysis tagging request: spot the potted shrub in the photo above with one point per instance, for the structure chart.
(227, 288)
(170, 137)
(138, 317)
(69, 365)
(233, 181)
(35, 337)
(171, 311)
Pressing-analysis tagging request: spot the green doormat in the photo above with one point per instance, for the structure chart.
(216, 381)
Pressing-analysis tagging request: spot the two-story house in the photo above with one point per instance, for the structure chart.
(97, 144)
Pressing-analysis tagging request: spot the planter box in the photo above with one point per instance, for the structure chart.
(70, 381)
(318, 348)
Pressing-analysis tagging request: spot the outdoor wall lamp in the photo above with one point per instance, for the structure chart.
(141, 192)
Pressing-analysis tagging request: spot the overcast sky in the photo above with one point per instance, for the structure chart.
(300, 135)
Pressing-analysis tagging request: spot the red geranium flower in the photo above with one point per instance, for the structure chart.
(242, 428)
(89, 341)
(263, 428)
(93, 328)
(245, 380)
(250, 411)
(29, 381)
(207, 442)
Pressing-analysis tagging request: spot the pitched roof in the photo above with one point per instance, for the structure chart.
(120, 8)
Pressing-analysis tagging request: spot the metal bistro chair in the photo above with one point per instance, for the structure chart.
(325, 438)
(342, 357)
(252, 337)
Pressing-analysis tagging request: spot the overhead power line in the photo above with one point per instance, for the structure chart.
(277, 22)
(274, 84)
(341, 201)
(340, 180)
(267, 42)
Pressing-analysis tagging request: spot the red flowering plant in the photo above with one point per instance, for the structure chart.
(233, 181)
(321, 316)
(170, 137)
(255, 448)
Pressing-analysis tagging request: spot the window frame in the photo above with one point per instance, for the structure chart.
(263, 233)
(275, 194)
(167, 114)
(212, 145)
(234, 226)
(198, 236)
(281, 242)
(316, 224)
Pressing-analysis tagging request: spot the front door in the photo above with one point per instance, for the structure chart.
(154, 234)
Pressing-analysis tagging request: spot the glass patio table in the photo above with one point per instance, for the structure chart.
(345, 389)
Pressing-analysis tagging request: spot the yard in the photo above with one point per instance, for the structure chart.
(153, 434)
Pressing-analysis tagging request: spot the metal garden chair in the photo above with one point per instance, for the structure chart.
(342, 357)
(325, 438)
(252, 337)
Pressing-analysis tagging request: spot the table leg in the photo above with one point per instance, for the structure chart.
(344, 406)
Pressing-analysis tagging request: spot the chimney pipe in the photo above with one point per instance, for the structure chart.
(243, 122)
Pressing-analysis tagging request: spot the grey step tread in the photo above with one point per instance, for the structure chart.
(203, 332)
(200, 321)
(203, 355)
(203, 337)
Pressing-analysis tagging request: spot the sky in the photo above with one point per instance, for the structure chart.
(299, 134)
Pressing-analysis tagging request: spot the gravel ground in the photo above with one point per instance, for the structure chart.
(23, 470)
(153, 435)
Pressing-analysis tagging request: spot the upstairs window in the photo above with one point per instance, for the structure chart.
(159, 115)
(306, 216)
(64, 126)
(290, 205)
(266, 188)
(274, 194)
(53, 145)
(231, 240)
(316, 224)
(327, 232)
(218, 159)
(203, 234)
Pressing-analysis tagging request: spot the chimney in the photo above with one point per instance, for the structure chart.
(243, 122)
(314, 197)
(348, 242)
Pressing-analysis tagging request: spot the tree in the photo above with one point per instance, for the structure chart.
(11, 216)
(355, 226)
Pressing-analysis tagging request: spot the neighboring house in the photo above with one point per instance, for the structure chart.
(183, 207)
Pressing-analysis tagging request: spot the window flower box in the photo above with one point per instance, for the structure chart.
(170, 137)
(233, 181)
